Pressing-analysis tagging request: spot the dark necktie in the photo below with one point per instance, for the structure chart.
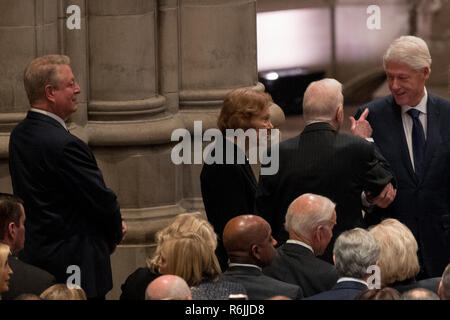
(418, 141)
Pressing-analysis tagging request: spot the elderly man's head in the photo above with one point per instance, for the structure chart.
(354, 252)
(407, 63)
(168, 287)
(444, 285)
(323, 102)
(310, 218)
(248, 239)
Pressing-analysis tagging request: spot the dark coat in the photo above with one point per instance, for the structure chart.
(324, 162)
(423, 204)
(72, 217)
(345, 290)
(260, 286)
(298, 265)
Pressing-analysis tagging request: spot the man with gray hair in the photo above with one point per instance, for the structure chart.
(309, 220)
(322, 161)
(355, 253)
(168, 287)
(411, 129)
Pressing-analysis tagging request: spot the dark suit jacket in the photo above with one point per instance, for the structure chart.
(135, 285)
(72, 217)
(298, 265)
(26, 279)
(228, 191)
(260, 286)
(423, 204)
(345, 290)
(324, 162)
(431, 284)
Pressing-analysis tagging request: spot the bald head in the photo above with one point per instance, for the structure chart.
(168, 287)
(248, 239)
(322, 101)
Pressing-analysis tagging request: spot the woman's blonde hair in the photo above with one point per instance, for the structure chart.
(63, 292)
(184, 224)
(239, 106)
(189, 257)
(398, 257)
(4, 254)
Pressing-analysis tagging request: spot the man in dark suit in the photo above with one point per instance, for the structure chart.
(322, 161)
(309, 221)
(411, 129)
(25, 278)
(250, 247)
(355, 252)
(73, 219)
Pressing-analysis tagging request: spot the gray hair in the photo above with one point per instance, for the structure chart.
(321, 100)
(445, 284)
(410, 50)
(354, 251)
(311, 217)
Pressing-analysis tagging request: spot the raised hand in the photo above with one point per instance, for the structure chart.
(361, 127)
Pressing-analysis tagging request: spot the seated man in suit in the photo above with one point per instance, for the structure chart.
(444, 285)
(354, 252)
(250, 247)
(411, 129)
(323, 161)
(168, 287)
(309, 221)
(25, 278)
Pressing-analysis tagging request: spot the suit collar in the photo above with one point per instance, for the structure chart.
(244, 269)
(297, 246)
(350, 284)
(43, 117)
(318, 126)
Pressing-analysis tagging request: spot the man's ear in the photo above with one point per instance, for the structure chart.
(255, 252)
(50, 92)
(11, 230)
(440, 289)
(426, 73)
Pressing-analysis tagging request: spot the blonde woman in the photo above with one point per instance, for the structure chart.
(63, 292)
(398, 261)
(136, 283)
(5, 270)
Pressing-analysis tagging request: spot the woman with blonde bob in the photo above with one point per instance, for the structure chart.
(228, 183)
(5, 270)
(398, 261)
(63, 292)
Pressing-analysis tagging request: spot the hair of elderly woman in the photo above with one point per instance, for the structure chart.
(239, 106)
(185, 223)
(190, 258)
(63, 292)
(41, 72)
(398, 257)
(410, 50)
(386, 293)
(355, 251)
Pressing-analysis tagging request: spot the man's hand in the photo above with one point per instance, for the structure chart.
(385, 198)
(361, 127)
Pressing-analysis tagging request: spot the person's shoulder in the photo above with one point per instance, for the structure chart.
(34, 272)
(442, 103)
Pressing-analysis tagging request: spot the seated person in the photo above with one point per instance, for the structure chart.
(250, 247)
(309, 221)
(354, 252)
(63, 292)
(168, 287)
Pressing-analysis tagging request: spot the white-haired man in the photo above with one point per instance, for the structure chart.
(322, 161)
(411, 129)
(309, 220)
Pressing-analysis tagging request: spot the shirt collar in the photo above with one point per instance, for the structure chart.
(422, 106)
(352, 279)
(51, 115)
(301, 244)
(244, 265)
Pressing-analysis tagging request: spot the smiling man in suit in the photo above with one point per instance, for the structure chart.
(411, 129)
(72, 217)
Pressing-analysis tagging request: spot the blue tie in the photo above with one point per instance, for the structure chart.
(418, 141)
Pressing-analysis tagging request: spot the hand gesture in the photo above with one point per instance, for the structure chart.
(361, 127)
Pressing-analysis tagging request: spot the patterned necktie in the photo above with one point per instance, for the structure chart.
(418, 141)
